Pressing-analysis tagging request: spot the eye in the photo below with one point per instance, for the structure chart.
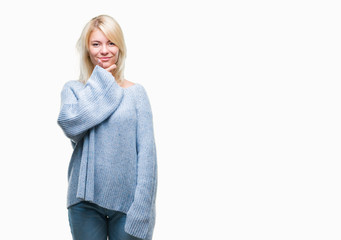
(112, 44)
(95, 44)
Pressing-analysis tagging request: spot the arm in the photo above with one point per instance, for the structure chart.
(83, 109)
(140, 215)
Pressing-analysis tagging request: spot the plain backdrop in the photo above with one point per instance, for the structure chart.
(246, 106)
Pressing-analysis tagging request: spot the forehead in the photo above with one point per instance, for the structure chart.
(97, 35)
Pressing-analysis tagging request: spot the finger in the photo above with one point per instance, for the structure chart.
(99, 62)
(112, 67)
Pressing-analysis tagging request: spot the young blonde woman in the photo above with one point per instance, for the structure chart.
(112, 174)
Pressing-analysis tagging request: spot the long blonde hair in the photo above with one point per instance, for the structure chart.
(113, 32)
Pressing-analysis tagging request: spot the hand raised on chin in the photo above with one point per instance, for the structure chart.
(109, 69)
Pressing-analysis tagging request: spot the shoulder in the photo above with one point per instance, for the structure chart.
(140, 91)
(142, 99)
(72, 84)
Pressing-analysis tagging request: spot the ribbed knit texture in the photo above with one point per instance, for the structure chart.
(114, 160)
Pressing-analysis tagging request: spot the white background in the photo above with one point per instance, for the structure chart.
(246, 104)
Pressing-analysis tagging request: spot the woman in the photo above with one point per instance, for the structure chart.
(112, 174)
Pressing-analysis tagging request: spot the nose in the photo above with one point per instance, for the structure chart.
(104, 50)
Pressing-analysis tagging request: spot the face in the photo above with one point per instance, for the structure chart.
(100, 47)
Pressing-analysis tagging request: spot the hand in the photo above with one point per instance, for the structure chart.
(109, 69)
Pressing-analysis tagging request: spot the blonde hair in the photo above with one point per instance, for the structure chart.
(113, 32)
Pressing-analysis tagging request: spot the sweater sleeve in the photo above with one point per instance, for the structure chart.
(83, 109)
(141, 215)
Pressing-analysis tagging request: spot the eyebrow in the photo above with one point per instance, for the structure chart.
(99, 41)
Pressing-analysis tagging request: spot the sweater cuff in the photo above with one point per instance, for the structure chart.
(85, 108)
(137, 226)
(100, 80)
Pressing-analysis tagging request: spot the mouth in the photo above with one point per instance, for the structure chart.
(104, 58)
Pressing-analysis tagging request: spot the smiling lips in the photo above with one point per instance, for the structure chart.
(104, 59)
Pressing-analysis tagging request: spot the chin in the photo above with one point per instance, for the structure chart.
(107, 64)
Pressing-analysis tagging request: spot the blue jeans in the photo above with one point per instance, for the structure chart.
(88, 221)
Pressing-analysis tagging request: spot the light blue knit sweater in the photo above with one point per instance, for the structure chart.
(114, 160)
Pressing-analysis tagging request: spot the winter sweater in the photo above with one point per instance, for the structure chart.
(114, 160)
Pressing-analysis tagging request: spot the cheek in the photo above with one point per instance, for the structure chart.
(92, 53)
(115, 51)
(92, 56)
